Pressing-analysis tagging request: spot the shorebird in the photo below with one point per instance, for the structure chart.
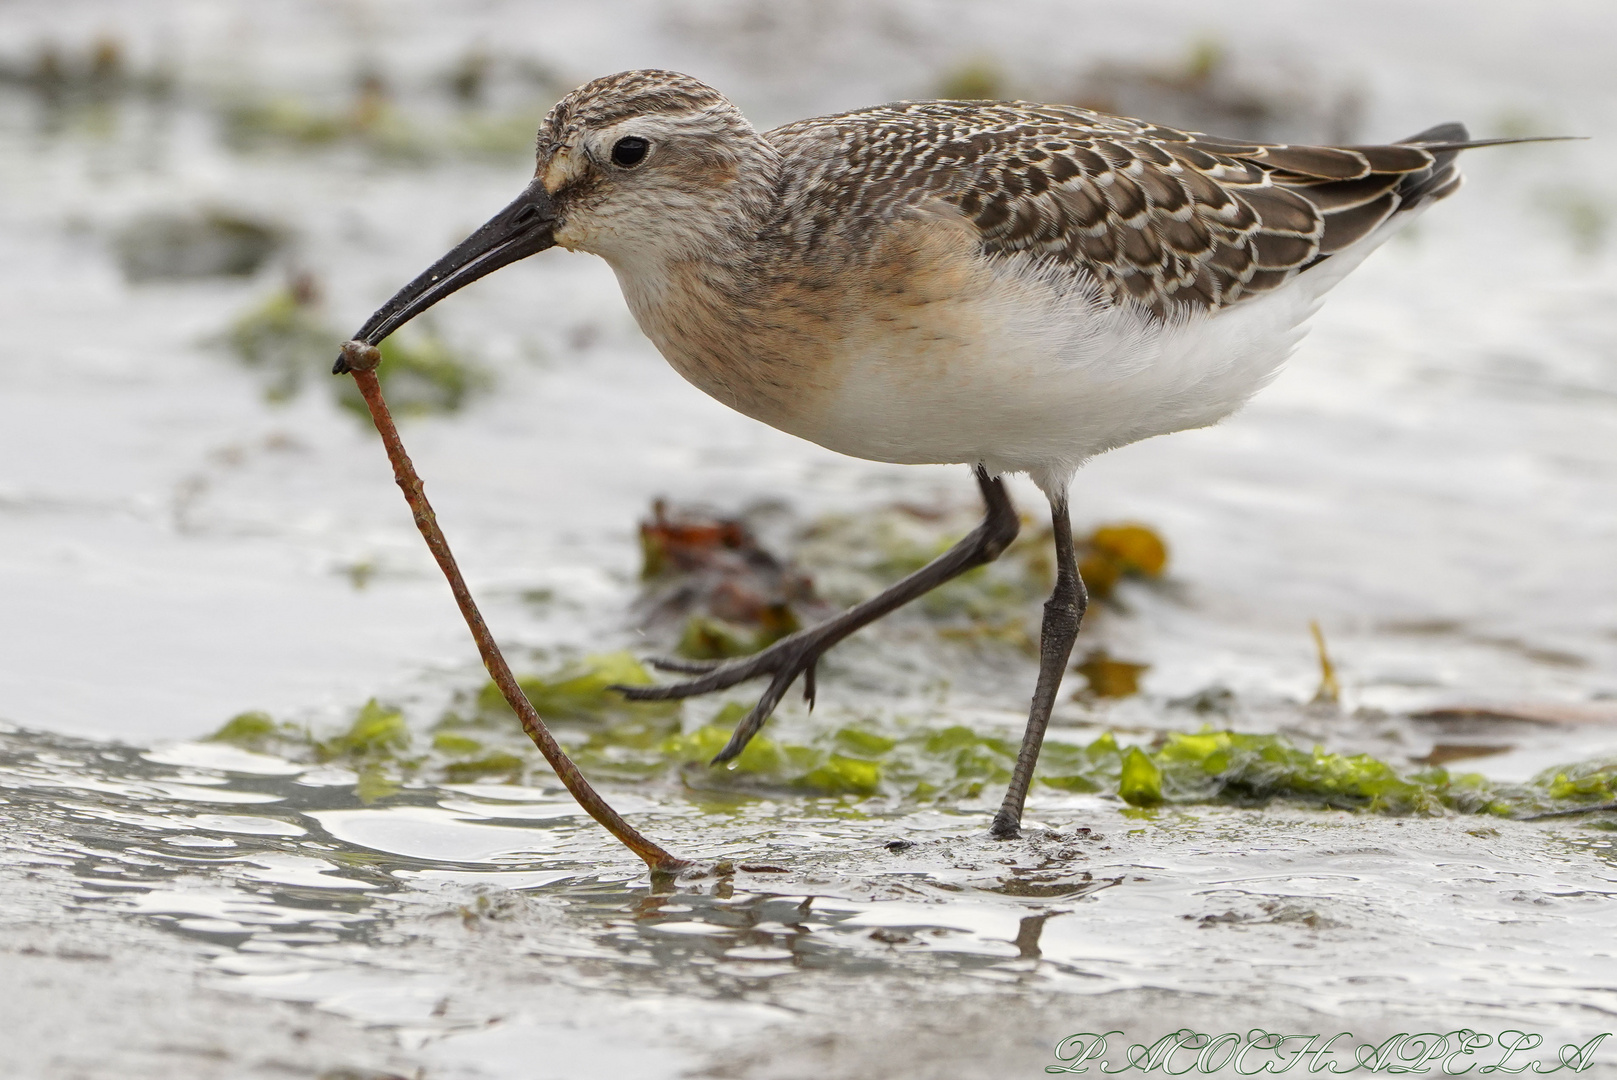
(1011, 286)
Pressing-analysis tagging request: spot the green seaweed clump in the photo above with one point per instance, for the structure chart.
(496, 763)
(499, 135)
(1223, 766)
(1227, 767)
(582, 691)
(613, 738)
(471, 759)
(821, 768)
(955, 763)
(373, 121)
(378, 732)
(1592, 781)
(375, 745)
(256, 731)
(922, 765)
(605, 732)
(282, 119)
(1140, 782)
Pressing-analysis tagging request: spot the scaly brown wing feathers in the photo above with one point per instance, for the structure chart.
(1160, 217)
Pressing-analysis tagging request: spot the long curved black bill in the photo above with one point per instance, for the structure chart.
(523, 228)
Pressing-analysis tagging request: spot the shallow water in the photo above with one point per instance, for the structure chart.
(457, 916)
(1431, 480)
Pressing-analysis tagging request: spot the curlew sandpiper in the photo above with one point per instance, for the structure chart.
(1012, 286)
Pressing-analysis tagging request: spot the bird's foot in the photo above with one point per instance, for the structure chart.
(1006, 826)
(783, 661)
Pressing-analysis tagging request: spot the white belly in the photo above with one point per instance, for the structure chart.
(1033, 373)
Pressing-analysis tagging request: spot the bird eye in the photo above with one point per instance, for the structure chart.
(629, 151)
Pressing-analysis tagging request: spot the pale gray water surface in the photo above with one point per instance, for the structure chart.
(1434, 479)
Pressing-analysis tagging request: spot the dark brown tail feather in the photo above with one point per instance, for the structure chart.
(1353, 209)
(1444, 142)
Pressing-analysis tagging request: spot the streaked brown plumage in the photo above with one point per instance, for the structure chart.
(1160, 217)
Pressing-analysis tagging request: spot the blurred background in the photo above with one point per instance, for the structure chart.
(200, 200)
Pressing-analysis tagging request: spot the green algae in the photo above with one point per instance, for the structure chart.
(919, 764)
(907, 761)
(461, 758)
(582, 691)
(502, 135)
(897, 760)
(1139, 783)
(376, 745)
(403, 129)
(861, 743)
(378, 732)
(1229, 767)
(256, 731)
(283, 119)
(448, 742)
(1593, 781)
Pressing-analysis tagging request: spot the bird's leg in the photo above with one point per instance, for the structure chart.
(796, 655)
(1062, 614)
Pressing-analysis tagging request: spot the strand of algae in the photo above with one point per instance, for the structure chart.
(360, 360)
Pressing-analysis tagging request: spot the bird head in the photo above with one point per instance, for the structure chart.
(640, 168)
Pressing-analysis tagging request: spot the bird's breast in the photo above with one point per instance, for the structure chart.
(765, 350)
(780, 333)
